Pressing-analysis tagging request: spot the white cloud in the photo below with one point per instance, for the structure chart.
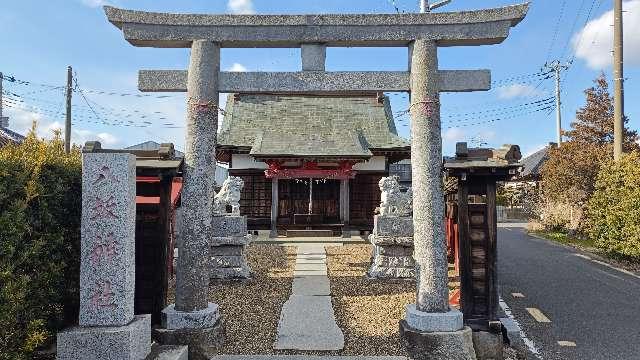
(594, 42)
(21, 121)
(237, 67)
(95, 3)
(241, 7)
(107, 139)
(453, 135)
(517, 91)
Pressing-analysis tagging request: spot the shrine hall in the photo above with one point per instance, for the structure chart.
(310, 164)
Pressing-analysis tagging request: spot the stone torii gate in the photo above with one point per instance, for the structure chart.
(206, 34)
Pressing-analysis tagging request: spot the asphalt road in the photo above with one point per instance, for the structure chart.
(589, 304)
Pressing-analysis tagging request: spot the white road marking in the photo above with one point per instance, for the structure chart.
(566, 343)
(527, 342)
(517, 295)
(627, 272)
(538, 315)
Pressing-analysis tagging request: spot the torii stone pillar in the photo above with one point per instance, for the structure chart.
(426, 167)
(431, 329)
(192, 320)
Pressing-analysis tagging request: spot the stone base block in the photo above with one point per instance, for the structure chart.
(380, 240)
(227, 250)
(232, 273)
(228, 262)
(168, 352)
(392, 261)
(488, 346)
(390, 250)
(383, 272)
(202, 343)
(454, 345)
(129, 342)
(394, 226)
(174, 319)
(230, 240)
(432, 322)
(228, 225)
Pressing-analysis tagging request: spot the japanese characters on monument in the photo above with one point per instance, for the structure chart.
(107, 268)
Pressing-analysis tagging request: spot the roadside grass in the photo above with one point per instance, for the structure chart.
(565, 238)
(587, 245)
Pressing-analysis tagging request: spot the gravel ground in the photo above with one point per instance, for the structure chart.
(367, 311)
(251, 308)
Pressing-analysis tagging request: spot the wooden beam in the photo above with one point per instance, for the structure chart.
(316, 82)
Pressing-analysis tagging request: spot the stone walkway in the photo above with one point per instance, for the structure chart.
(307, 321)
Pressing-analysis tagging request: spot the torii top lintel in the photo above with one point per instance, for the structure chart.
(478, 27)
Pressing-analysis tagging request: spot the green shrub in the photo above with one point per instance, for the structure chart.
(40, 206)
(614, 209)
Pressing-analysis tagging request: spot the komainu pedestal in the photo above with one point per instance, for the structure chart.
(392, 240)
(230, 238)
(392, 236)
(228, 259)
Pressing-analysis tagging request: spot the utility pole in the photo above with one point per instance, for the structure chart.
(556, 68)
(67, 124)
(2, 119)
(618, 81)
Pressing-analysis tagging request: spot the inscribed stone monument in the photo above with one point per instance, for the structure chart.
(108, 328)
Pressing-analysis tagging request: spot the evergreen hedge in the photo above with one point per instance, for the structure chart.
(614, 209)
(40, 207)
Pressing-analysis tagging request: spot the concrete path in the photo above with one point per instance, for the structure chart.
(570, 305)
(307, 321)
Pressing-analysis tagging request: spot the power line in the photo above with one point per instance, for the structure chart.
(556, 30)
(573, 26)
(501, 118)
(514, 112)
(536, 102)
(579, 42)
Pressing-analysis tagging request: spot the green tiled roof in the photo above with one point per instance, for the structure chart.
(288, 125)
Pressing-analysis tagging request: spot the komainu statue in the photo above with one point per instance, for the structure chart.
(229, 195)
(394, 202)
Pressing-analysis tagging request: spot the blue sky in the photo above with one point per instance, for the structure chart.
(40, 38)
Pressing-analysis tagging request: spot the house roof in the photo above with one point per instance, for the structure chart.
(533, 163)
(314, 126)
(9, 137)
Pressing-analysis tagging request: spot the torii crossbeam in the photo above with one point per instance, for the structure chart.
(421, 33)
